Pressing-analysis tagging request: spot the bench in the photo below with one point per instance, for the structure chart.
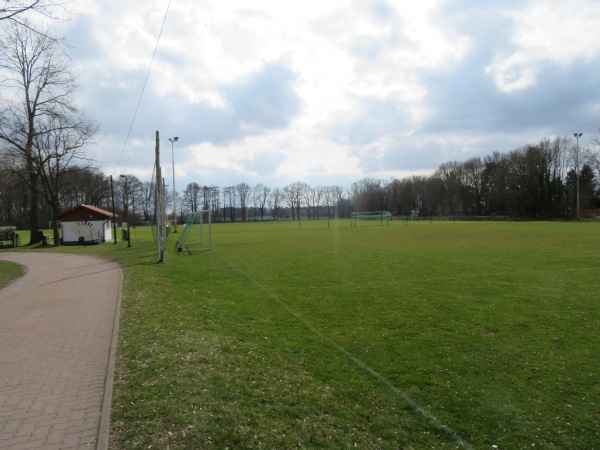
(44, 238)
(9, 238)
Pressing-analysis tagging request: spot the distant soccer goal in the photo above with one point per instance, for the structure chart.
(381, 216)
(197, 233)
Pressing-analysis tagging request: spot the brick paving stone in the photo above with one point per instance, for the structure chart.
(52, 446)
(26, 429)
(57, 328)
(55, 437)
(13, 441)
(11, 426)
(41, 433)
(29, 445)
(40, 419)
(71, 441)
(51, 422)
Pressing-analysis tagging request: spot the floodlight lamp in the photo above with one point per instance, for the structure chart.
(578, 135)
(175, 139)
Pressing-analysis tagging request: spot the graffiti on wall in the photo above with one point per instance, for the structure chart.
(85, 229)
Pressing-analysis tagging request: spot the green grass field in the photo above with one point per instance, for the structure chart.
(441, 335)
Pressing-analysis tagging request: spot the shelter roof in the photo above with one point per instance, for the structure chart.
(85, 212)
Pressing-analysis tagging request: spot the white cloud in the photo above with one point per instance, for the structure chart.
(547, 31)
(335, 90)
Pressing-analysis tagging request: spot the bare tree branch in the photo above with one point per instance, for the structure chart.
(10, 9)
(38, 119)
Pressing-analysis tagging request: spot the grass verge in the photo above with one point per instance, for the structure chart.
(9, 272)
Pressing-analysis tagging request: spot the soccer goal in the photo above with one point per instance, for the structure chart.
(380, 216)
(197, 233)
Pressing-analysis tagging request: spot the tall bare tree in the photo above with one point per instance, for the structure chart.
(592, 157)
(307, 197)
(39, 123)
(210, 198)
(370, 194)
(329, 200)
(130, 191)
(243, 192)
(229, 193)
(191, 198)
(261, 194)
(275, 200)
(470, 177)
(57, 147)
(293, 194)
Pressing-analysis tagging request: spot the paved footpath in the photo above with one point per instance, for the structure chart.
(58, 327)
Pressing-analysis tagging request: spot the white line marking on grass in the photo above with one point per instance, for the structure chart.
(416, 405)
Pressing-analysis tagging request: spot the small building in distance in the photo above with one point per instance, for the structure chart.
(85, 224)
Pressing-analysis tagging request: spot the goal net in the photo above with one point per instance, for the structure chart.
(197, 233)
(380, 216)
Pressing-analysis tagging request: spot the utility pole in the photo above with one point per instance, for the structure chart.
(160, 202)
(173, 140)
(577, 136)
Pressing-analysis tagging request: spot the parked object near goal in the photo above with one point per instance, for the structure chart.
(371, 215)
(197, 233)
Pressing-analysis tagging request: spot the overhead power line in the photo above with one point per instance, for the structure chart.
(143, 87)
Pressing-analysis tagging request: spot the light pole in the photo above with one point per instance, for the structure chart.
(125, 180)
(577, 136)
(173, 140)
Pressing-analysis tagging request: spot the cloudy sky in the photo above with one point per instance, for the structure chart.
(331, 91)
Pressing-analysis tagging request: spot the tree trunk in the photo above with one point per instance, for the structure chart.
(33, 209)
(56, 236)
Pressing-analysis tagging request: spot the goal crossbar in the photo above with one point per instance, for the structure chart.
(370, 215)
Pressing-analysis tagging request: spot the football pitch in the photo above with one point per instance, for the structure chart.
(322, 335)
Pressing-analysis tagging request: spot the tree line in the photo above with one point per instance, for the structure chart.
(549, 179)
(540, 180)
(535, 181)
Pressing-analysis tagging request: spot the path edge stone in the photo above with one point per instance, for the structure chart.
(104, 431)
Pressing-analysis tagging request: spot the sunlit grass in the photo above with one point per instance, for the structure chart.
(413, 335)
(9, 272)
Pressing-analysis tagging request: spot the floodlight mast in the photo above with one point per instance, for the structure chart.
(160, 202)
(173, 140)
(577, 136)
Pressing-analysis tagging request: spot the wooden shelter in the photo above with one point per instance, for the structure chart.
(85, 224)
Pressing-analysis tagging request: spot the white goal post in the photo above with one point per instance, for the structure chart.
(197, 233)
(380, 216)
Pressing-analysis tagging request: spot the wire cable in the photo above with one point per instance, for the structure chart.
(137, 108)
